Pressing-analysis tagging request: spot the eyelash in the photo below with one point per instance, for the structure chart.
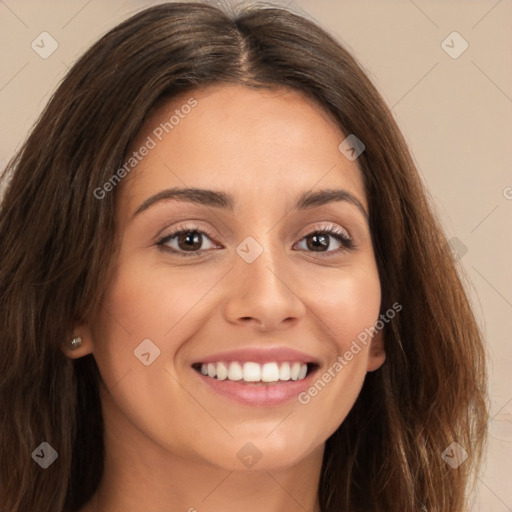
(347, 243)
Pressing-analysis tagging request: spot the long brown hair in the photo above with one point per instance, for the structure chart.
(58, 245)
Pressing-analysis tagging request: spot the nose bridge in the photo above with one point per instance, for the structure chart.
(261, 259)
(263, 287)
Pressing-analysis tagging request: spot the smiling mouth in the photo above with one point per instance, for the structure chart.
(256, 373)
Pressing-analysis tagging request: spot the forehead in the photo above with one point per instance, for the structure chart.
(254, 143)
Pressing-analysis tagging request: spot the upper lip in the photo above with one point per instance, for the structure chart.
(260, 355)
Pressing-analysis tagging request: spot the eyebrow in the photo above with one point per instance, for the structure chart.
(218, 199)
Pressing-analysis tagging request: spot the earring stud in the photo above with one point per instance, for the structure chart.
(75, 343)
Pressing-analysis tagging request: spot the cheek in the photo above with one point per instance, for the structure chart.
(348, 306)
(146, 302)
(144, 314)
(347, 303)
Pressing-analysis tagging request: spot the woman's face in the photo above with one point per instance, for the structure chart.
(259, 288)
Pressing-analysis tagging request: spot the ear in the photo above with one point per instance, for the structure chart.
(86, 346)
(377, 353)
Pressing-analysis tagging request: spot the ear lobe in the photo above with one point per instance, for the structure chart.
(377, 353)
(79, 344)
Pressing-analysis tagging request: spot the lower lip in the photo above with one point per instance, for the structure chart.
(258, 394)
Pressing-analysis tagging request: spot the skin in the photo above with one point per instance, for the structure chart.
(171, 442)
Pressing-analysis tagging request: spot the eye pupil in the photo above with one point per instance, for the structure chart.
(320, 240)
(190, 237)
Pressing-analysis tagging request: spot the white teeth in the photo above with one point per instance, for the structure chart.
(284, 371)
(235, 371)
(255, 372)
(270, 372)
(222, 371)
(252, 372)
(294, 371)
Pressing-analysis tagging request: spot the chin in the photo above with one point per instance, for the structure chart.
(262, 453)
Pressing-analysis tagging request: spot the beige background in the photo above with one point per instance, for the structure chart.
(455, 113)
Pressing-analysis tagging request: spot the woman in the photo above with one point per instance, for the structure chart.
(223, 286)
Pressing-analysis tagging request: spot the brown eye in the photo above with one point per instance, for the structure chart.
(320, 241)
(185, 240)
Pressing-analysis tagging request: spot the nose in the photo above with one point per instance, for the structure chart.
(263, 292)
